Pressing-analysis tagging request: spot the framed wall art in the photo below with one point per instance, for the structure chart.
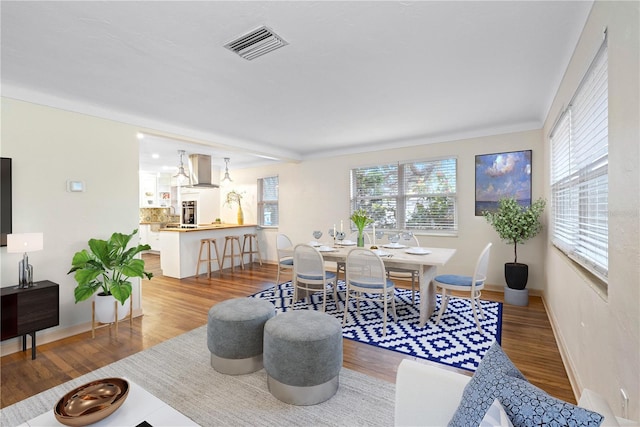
(501, 175)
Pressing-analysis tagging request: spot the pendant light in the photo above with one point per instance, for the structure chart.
(227, 178)
(181, 175)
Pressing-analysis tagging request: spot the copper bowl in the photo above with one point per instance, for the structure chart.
(91, 402)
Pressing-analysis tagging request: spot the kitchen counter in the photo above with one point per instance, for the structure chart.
(202, 227)
(180, 247)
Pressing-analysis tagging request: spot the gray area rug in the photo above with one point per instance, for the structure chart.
(178, 371)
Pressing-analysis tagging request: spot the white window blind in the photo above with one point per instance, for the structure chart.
(415, 195)
(579, 172)
(268, 201)
(429, 190)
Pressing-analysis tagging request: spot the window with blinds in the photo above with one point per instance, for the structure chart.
(579, 172)
(416, 195)
(268, 201)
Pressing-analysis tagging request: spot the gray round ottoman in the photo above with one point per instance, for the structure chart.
(303, 356)
(235, 332)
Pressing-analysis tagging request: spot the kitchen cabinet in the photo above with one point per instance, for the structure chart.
(207, 203)
(148, 189)
(155, 190)
(150, 235)
(164, 190)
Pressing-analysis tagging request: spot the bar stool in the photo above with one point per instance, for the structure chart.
(208, 259)
(251, 238)
(228, 241)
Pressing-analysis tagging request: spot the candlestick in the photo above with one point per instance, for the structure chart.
(374, 234)
(341, 226)
(334, 235)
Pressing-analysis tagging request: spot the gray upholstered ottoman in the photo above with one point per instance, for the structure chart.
(303, 356)
(235, 332)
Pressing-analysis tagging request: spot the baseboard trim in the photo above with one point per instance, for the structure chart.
(500, 288)
(564, 354)
(14, 345)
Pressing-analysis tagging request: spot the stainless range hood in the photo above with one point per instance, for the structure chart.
(200, 171)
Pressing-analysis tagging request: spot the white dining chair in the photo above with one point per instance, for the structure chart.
(284, 247)
(405, 273)
(366, 280)
(472, 285)
(340, 266)
(310, 275)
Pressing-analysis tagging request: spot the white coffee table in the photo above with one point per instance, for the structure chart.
(140, 406)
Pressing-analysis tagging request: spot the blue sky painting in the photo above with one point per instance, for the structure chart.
(502, 175)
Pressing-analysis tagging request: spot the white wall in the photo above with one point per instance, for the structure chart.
(314, 195)
(600, 335)
(48, 147)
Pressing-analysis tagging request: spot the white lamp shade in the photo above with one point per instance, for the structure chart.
(24, 242)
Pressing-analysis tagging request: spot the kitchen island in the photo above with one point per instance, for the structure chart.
(180, 247)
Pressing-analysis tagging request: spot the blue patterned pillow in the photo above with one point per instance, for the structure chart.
(496, 361)
(525, 404)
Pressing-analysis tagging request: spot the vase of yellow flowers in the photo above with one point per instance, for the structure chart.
(361, 219)
(235, 197)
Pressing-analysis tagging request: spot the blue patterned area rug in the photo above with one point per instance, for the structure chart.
(455, 342)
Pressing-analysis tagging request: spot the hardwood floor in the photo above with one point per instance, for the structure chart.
(172, 307)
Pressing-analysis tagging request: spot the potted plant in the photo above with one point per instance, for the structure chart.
(516, 224)
(105, 269)
(361, 219)
(235, 197)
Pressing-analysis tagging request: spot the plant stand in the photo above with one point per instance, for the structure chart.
(93, 316)
(516, 296)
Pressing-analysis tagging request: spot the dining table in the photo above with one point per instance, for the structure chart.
(425, 260)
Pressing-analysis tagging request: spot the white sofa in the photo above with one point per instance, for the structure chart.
(428, 395)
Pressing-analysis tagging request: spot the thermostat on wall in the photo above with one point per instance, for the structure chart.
(75, 186)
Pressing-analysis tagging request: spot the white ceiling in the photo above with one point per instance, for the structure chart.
(356, 75)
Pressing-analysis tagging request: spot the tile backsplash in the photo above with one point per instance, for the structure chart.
(157, 215)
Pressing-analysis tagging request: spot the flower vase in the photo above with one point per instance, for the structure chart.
(360, 239)
(240, 216)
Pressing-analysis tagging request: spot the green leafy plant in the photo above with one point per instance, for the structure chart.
(515, 223)
(107, 267)
(361, 219)
(234, 197)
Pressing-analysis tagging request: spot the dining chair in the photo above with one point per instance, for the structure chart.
(284, 247)
(366, 280)
(404, 273)
(310, 275)
(472, 285)
(340, 266)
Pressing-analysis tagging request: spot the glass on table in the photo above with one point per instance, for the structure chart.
(317, 234)
(394, 237)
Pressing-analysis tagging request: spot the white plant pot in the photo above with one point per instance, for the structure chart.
(105, 308)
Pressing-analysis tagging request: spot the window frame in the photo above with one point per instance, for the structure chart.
(578, 186)
(262, 202)
(399, 199)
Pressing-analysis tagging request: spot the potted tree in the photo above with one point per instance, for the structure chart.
(235, 197)
(516, 224)
(105, 270)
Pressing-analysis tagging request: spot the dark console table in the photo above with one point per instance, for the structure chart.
(26, 311)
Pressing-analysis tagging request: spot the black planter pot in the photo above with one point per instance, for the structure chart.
(516, 275)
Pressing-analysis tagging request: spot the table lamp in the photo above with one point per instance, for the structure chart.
(24, 242)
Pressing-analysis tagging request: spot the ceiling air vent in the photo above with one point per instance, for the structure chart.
(256, 43)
